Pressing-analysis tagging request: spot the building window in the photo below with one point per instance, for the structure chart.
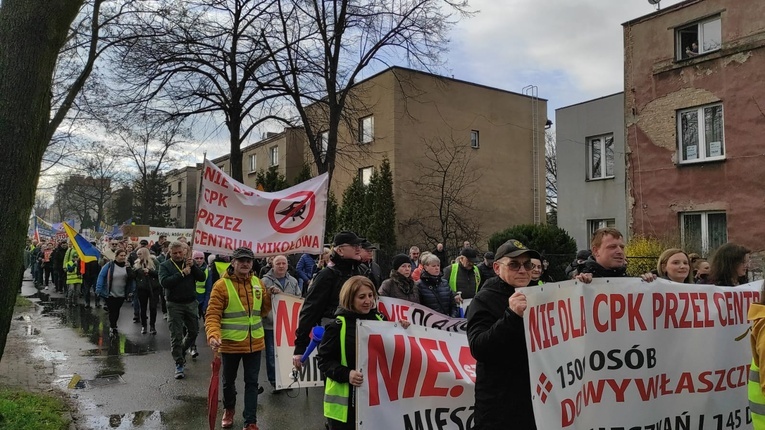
(169, 190)
(253, 163)
(600, 157)
(474, 139)
(367, 129)
(180, 187)
(698, 38)
(700, 132)
(323, 145)
(273, 156)
(365, 173)
(595, 224)
(703, 232)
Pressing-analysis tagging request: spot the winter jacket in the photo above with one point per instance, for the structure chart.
(467, 280)
(104, 283)
(436, 294)
(178, 287)
(441, 256)
(219, 302)
(305, 268)
(598, 271)
(372, 271)
(58, 258)
(487, 272)
(204, 299)
(323, 298)
(92, 270)
(417, 272)
(329, 350)
(290, 287)
(496, 338)
(400, 287)
(149, 281)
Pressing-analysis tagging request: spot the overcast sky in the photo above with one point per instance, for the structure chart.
(571, 49)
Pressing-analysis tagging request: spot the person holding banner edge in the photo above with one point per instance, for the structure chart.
(497, 341)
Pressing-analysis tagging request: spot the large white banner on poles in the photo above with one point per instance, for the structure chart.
(231, 214)
(626, 354)
(414, 378)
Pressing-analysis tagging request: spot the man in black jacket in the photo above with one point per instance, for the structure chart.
(370, 269)
(497, 341)
(178, 276)
(59, 274)
(324, 294)
(608, 259)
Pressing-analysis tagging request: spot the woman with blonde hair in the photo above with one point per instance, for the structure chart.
(673, 265)
(147, 288)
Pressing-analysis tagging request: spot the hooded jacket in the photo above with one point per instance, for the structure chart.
(496, 338)
(400, 287)
(323, 298)
(219, 302)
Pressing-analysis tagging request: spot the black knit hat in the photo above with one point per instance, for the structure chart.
(400, 259)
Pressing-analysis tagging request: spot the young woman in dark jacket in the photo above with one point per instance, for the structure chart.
(434, 290)
(358, 301)
(115, 283)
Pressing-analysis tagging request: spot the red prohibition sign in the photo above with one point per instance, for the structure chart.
(296, 209)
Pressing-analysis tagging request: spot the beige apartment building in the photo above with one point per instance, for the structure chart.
(182, 187)
(480, 146)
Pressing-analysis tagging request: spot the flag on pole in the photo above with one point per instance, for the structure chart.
(85, 250)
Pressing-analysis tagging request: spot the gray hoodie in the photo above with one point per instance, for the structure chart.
(290, 287)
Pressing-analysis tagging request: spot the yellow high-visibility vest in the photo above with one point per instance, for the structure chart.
(453, 277)
(201, 285)
(237, 321)
(756, 398)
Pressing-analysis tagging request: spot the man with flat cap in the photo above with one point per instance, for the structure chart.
(324, 294)
(497, 341)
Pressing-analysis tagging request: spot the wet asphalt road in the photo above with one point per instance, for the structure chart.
(128, 382)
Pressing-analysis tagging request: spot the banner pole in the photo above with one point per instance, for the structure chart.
(196, 205)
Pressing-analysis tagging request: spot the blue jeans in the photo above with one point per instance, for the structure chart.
(251, 364)
(270, 357)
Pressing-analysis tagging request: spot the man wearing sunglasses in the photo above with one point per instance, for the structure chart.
(497, 341)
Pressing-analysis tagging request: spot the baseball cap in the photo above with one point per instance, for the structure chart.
(471, 254)
(143, 242)
(514, 248)
(346, 238)
(243, 252)
(489, 256)
(583, 254)
(368, 245)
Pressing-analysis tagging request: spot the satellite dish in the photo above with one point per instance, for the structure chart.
(654, 1)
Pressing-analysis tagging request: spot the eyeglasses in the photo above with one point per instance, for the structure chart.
(516, 266)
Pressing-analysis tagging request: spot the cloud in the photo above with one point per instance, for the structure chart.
(571, 49)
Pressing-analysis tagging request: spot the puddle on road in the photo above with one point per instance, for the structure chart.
(176, 418)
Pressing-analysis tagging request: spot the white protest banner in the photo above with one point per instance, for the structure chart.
(627, 354)
(286, 312)
(231, 215)
(415, 313)
(414, 378)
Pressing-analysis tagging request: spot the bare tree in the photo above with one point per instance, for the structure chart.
(445, 213)
(204, 57)
(322, 47)
(551, 172)
(27, 61)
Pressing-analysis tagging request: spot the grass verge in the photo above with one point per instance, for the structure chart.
(23, 302)
(20, 410)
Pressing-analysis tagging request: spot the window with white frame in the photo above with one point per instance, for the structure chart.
(273, 156)
(600, 157)
(365, 173)
(253, 163)
(367, 129)
(703, 232)
(595, 224)
(324, 142)
(700, 134)
(474, 139)
(698, 38)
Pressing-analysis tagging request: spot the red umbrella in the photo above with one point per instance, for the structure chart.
(212, 391)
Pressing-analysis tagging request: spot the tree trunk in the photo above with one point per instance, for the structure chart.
(31, 34)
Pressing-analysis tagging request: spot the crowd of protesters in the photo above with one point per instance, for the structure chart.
(232, 294)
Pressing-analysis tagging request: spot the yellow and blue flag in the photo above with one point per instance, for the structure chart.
(85, 249)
